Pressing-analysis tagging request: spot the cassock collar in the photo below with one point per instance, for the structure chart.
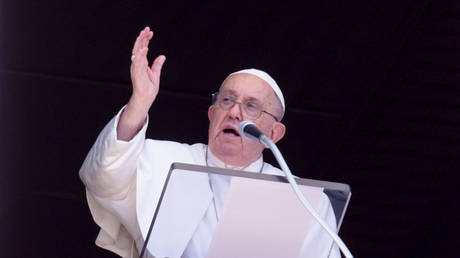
(214, 161)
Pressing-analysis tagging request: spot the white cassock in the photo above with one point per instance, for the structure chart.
(124, 181)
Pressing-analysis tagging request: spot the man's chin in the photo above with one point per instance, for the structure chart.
(228, 149)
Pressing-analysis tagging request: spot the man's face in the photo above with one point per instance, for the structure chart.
(224, 139)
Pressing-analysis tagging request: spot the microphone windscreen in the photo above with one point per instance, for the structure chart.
(249, 129)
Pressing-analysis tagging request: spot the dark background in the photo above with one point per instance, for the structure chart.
(372, 92)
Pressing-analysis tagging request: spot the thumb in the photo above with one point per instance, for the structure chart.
(158, 63)
(156, 68)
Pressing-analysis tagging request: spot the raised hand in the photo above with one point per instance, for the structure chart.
(146, 83)
(145, 79)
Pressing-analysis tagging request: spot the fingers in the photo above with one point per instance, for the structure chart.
(148, 35)
(137, 43)
(142, 40)
(140, 58)
(138, 64)
(141, 73)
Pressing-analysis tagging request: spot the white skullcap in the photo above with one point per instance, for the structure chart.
(267, 78)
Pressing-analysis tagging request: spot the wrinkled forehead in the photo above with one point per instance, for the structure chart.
(263, 77)
(247, 86)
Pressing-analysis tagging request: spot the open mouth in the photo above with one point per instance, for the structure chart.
(231, 132)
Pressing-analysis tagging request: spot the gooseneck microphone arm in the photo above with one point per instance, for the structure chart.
(249, 129)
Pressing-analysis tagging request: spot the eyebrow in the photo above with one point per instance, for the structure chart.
(232, 92)
(229, 92)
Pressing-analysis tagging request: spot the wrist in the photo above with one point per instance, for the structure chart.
(139, 103)
(135, 113)
(143, 98)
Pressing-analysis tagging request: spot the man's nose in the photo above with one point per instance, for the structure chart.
(236, 112)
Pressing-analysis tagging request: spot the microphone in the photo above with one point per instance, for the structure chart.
(250, 130)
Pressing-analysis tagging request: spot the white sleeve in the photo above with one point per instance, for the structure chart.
(109, 174)
(111, 164)
(318, 243)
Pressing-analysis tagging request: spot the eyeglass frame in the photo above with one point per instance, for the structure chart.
(215, 97)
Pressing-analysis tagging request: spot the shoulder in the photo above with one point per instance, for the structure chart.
(164, 145)
(151, 143)
(165, 148)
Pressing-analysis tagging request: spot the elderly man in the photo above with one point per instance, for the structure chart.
(124, 173)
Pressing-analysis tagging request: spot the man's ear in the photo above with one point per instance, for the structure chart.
(211, 112)
(277, 132)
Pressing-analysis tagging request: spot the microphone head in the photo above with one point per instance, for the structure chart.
(243, 125)
(250, 130)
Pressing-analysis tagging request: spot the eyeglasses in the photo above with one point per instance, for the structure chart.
(251, 109)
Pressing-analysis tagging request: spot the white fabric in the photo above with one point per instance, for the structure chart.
(267, 78)
(124, 181)
(199, 244)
